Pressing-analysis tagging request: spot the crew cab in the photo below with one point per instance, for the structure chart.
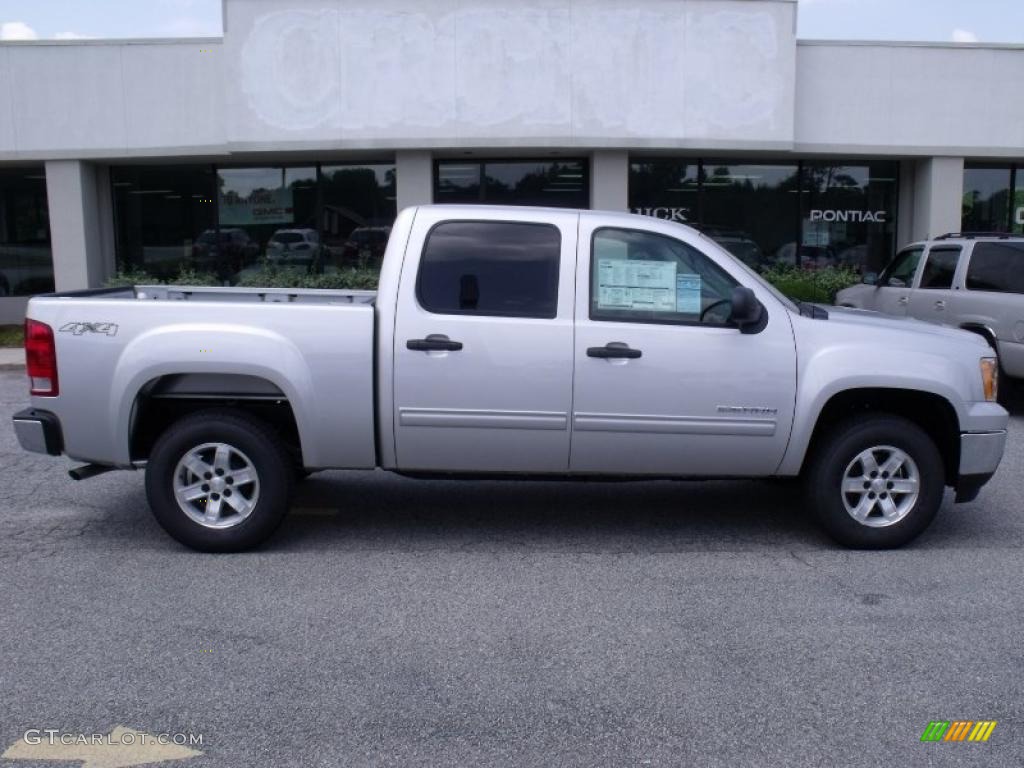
(512, 342)
(973, 281)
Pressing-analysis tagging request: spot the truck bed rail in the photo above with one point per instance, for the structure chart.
(224, 294)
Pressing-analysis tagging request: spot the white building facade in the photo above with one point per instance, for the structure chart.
(319, 119)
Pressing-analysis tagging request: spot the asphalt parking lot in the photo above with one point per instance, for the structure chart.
(409, 623)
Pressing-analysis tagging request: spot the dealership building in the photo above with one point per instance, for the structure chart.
(317, 120)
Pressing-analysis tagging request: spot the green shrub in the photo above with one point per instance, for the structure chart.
(127, 276)
(188, 276)
(351, 278)
(12, 336)
(819, 285)
(266, 275)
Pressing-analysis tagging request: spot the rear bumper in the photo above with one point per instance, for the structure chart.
(39, 431)
(980, 454)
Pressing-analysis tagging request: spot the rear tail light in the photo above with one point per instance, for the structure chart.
(41, 358)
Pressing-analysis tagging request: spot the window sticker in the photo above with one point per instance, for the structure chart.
(636, 285)
(688, 293)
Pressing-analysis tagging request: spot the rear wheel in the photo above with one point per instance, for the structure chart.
(219, 482)
(875, 482)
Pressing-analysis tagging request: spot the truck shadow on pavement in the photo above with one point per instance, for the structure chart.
(376, 510)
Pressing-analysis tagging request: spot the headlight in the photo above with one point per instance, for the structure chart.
(990, 378)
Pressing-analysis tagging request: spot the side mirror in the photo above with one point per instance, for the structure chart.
(870, 278)
(747, 311)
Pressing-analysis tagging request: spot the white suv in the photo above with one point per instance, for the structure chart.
(971, 281)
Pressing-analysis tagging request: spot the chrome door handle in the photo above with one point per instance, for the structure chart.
(903, 300)
(940, 304)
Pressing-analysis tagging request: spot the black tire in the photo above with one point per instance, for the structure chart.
(252, 440)
(834, 454)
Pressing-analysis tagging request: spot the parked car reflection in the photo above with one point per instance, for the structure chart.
(366, 245)
(739, 243)
(224, 254)
(298, 247)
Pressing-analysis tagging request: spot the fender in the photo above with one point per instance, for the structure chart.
(836, 369)
(182, 348)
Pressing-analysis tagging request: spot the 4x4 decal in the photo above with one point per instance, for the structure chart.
(109, 329)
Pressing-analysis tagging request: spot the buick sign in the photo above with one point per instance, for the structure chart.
(664, 212)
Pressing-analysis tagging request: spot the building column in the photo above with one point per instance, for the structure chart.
(76, 233)
(609, 180)
(414, 178)
(905, 212)
(938, 196)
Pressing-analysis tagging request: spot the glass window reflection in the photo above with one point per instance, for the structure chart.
(162, 215)
(665, 189)
(26, 260)
(751, 210)
(1018, 202)
(358, 210)
(228, 224)
(550, 183)
(848, 215)
(265, 215)
(809, 214)
(986, 201)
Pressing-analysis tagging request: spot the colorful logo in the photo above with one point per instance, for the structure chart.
(958, 730)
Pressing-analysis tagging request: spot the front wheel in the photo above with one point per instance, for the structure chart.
(875, 482)
(218, 482)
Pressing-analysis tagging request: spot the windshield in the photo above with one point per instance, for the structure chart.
(786, 301)
(287, 237)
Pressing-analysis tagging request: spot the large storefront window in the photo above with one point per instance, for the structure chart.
(358, 211)
(164, 215)
(554, 183)
(811, 214)
(226, 223)
(26, 261)
(987, 199)
(264, 214)
(666, 189)
(848, 215)
(752, 210)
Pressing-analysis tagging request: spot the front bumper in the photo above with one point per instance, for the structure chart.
(39, 431)
(980, 454)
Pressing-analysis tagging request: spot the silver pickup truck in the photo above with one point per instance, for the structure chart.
(513, 342)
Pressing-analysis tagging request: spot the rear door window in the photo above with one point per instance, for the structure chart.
(997, 267)
(496, 268)
(940, 267)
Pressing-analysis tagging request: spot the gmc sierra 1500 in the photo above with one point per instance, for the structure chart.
(512, 341)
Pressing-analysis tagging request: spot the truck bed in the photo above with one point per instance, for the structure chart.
(114, 345)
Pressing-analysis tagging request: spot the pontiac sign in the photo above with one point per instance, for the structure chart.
(858, 217)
